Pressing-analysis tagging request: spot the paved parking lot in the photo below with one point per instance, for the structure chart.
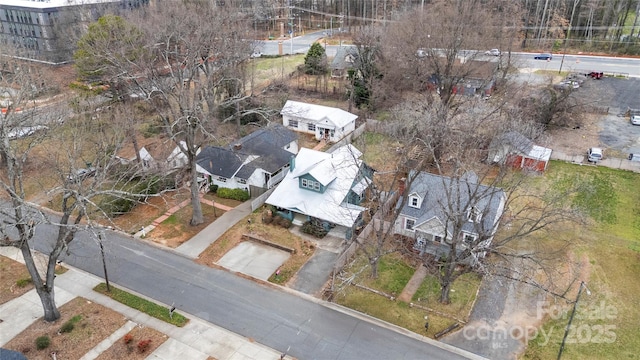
(616, 132)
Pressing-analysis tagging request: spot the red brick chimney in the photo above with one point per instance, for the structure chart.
(402, 185)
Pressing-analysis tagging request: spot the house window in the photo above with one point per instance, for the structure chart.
(437, 238)
(311, 127)
(242, 181)
(420, 244)
(293, 123)
(310, 184)
(469, 238)
(409, 223)
(221, 179)
(413, 202)
(474, 214)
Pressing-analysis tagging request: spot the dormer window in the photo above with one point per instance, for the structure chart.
(415, 201)
(469, 238)
(474, 214)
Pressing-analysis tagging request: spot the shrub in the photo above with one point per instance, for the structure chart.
(23, 282)
(313, 229)
(70, 324)
(285, 223)
(235, 194)
(143, 345)
(43, 342)
(213, 188)
(67, 327)
(118, 205)
(128, 338)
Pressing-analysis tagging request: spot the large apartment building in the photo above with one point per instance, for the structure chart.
(43, 29)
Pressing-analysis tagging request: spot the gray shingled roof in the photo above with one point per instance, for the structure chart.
(262, 141)
(266, 143)
(339, 62)
(516, 140)
(220, 161)
(440, 191)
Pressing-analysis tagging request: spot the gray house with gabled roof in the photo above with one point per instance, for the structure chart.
(345, 59)
(255, 163)
(440, 209)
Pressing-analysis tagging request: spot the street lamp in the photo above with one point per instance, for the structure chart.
(573, 312)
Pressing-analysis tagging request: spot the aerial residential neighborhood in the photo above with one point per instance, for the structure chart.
(319, 180)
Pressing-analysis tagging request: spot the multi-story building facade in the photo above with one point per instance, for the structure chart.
(44, 29)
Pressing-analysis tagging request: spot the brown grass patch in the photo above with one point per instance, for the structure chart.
(274, 233)
(127, 347)
(96, 323)
(15, 279)
(176, 229)
(144, 214)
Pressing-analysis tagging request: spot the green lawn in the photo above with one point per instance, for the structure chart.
(157, 311)
(393, 275)
(608, 322)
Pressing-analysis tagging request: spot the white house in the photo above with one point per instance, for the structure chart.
(255, 163)
(324, 186)
(326, 123)
(155, 154)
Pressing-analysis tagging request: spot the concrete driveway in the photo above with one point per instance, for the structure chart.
(253, 259)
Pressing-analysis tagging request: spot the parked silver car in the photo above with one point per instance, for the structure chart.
(594, 154)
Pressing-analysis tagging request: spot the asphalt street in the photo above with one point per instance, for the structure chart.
(301, 326)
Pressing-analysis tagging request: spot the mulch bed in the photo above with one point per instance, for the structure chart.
(132, 345)
(96, 322)
(15, 280)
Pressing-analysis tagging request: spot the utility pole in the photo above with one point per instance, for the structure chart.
(104, 263)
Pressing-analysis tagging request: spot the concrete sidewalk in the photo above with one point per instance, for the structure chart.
(196, 340)
(197, 244)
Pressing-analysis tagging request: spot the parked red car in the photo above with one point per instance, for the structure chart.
(596, 75)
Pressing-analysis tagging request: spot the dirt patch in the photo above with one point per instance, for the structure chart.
(303, 249)
(144, 214)
(94, 324)
(575, 141)
(15, 279)
(136, 345)
(176, 229)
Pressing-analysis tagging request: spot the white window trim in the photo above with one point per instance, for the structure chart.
(415, 196)
(406, 224)
(464, 236)
(474, 215)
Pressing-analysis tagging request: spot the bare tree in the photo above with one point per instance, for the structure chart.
(68, 160)
(467, 199)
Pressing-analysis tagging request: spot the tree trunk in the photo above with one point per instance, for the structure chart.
(444, 293)
(196, 218)
(374, 266)
(45, 290)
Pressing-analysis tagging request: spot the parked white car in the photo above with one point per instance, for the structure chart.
(635, 119)
(594, 154)
(492, 52)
